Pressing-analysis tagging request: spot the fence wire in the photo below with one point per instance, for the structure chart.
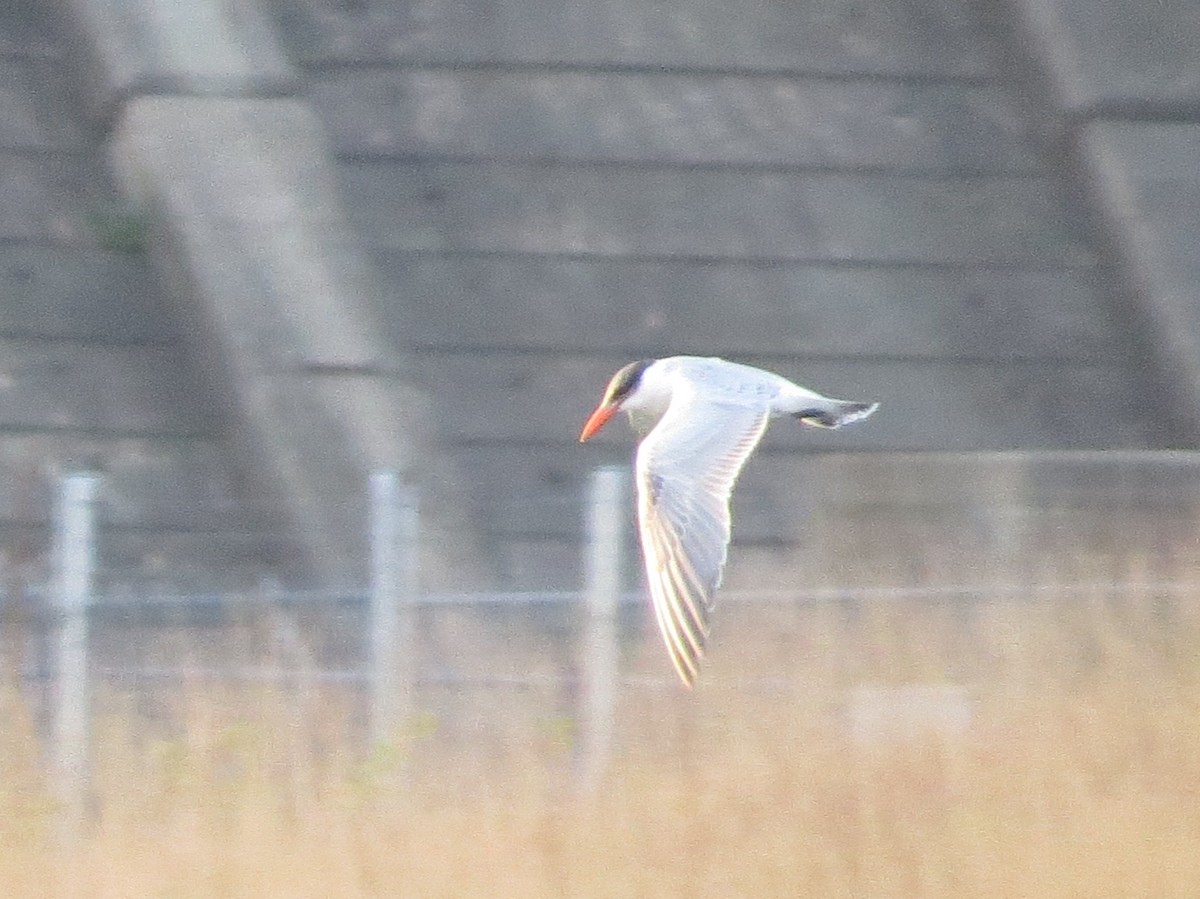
(473, 662)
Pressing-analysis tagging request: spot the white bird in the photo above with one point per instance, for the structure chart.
(700, 419)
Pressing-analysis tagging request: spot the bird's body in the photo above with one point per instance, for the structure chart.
(700, 418)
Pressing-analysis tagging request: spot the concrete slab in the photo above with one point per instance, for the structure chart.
(80, 293)
(181, 483)
(135, 564)
(610, 172)
(541, 564)
(1146, 177)
(27, 29)
(651, 307)
(189, 561)
(116, 390)
(965, 518)
(846, 519)
(686, 119)
(713, 213)
(916, 37)
(279, 304)
(246, 203)
(33, 94)
(1048, 479)
(94, 375)
(1117, 57)
(313, 438)
(52, 197)
(125, 48)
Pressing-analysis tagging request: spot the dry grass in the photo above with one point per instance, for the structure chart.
(1077, 775)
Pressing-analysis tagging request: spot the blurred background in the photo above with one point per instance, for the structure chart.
(271, 247)
(253, 252)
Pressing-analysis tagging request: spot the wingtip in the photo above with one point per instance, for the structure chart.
(686, 677)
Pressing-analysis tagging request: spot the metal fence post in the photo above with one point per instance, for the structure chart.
(75, 562)
(394, 569)
(607, 511)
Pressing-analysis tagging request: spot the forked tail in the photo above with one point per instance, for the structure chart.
(835, 413)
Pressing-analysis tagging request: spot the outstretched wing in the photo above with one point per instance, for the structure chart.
(686, 468)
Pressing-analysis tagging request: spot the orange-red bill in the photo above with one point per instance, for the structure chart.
(598, 420)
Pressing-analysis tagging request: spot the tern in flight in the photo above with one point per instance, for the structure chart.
(700, 418)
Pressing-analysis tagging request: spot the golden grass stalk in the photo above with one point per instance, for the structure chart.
(1076, 773)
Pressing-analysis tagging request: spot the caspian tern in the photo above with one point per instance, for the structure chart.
(700, 419)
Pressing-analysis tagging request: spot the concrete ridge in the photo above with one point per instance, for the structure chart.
(250, 240)
(129, 48)
(1125, 105)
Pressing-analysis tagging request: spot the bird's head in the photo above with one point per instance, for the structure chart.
(620, 388)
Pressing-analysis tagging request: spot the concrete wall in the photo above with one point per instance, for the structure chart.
(424, 236)
(269, 285)
(93, 373)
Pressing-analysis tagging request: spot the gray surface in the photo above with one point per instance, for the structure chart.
(137, 562)
(896, 519)
(280, 304)
(1118, 57)
(53, 196)
(1147, 179)
(149, 483)
(81, 293)
(621, 181)
(966, 518)
(644, 307)
(725, 119)
(845, 192)
(94, 375)
(203, 47)
(34, 91)
(110, 389)
(246, 205)
(713, 213)
(903, 37)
